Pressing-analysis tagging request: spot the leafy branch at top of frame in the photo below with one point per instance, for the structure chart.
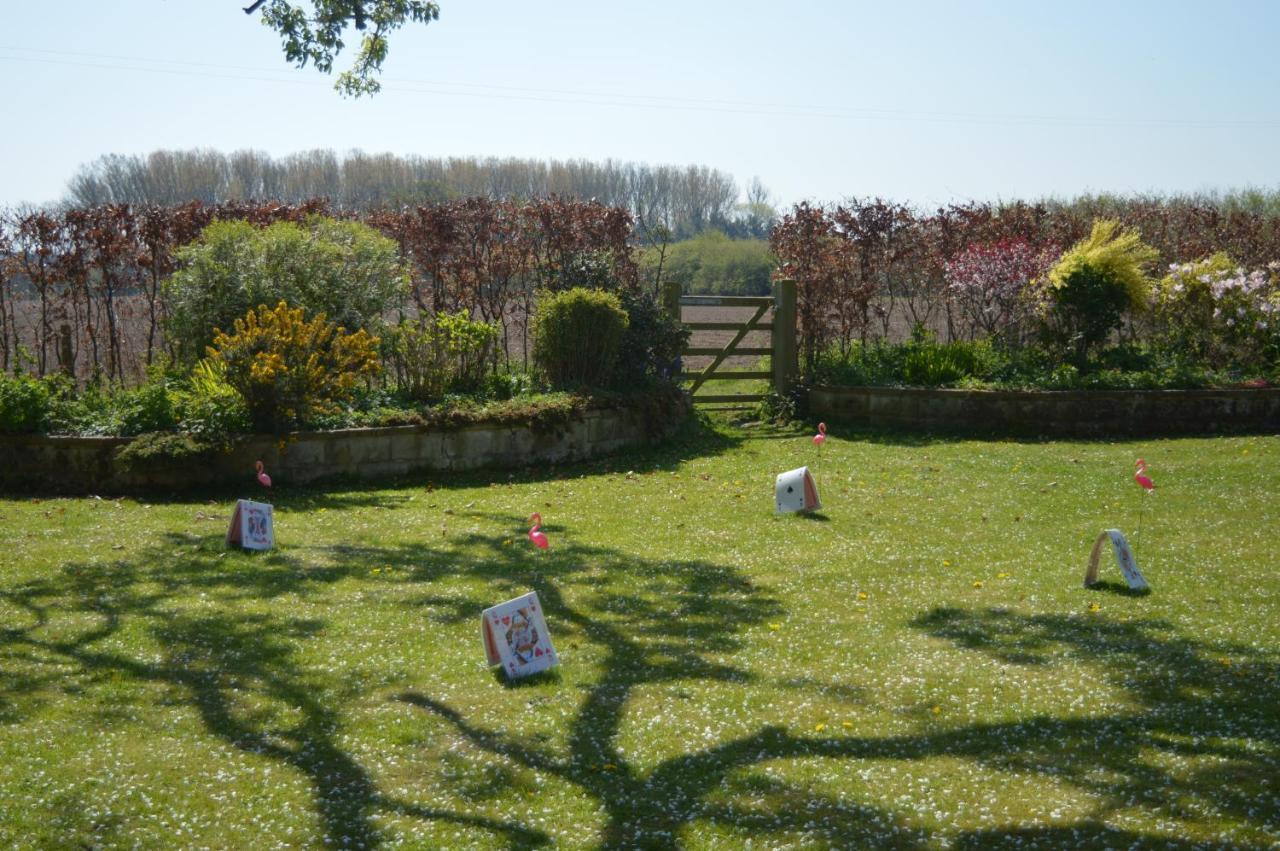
(315, 35)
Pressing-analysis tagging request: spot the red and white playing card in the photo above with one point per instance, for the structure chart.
(251, 526)
(515, 636)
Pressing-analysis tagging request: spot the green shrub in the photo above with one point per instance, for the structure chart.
(435, 354)
(871, 364)
(982, 366)
(930, 364)
(578, 337)
(149, 407)
(652, 343)
(1092, 285)
(211, 409)
(165, 448)
(286, 368)
(345, 270)
(26, 404)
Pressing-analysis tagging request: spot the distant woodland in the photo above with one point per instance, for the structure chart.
(667, 202)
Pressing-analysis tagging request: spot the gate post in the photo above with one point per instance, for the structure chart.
(671, 298)
(786, 362)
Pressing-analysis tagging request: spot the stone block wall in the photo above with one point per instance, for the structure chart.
(88, 464)
(1094, 413)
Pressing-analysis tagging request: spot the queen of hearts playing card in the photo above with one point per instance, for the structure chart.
(515, 637)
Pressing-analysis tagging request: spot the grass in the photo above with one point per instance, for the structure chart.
(916, 665)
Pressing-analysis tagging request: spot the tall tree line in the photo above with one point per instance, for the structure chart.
(674, 202)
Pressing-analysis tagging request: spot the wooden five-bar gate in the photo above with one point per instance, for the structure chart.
(781, 349)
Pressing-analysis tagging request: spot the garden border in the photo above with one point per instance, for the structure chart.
(1053, 413)
(83, 465)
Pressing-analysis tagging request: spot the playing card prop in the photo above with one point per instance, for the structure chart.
(251, 526)
(515, 637)
(795, 491)
(1124, 558)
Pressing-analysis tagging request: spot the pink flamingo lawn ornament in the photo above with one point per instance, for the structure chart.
(262, 476)
(535, 533)
(1144, 481)
(1141, 477)
(820, 438)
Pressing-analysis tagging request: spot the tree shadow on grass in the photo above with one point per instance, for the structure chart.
(1202, 736)
(1198, 733)
(1186, 704)
(924, 438)
(239, 666)
(238, 669)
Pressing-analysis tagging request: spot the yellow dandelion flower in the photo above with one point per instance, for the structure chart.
(775, 626)
(937, 710)
(1095, 607)
(977, 583)
(862, 595)
(819, 727)
(1002, 576)
(946, 562)
(848, 725)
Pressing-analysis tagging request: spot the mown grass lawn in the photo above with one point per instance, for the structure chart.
(918, 665)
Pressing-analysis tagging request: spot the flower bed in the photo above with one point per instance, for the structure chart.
(103, 465)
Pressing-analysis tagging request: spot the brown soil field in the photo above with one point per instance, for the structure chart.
(718, 339)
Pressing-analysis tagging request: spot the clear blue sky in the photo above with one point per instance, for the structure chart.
(917, 101)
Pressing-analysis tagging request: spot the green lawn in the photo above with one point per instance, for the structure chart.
(918, 665)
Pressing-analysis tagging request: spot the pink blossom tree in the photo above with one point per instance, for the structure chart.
(991, 285)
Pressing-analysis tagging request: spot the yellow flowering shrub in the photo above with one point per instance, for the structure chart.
(288, 368)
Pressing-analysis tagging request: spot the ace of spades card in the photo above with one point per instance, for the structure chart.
(251, 526)
(795, 490)
(516, 637)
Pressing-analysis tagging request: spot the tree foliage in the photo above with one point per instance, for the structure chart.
(343, 269)
(988, 283)
(314, 33)
(713, 263)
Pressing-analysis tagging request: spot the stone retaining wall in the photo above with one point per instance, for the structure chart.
(1092, 413)
(89, 464)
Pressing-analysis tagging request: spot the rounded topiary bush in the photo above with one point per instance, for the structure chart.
(577, 335)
